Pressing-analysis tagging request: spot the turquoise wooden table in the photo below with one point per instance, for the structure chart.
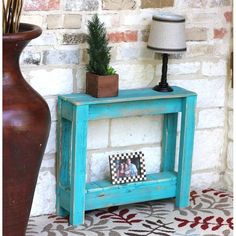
(75, 196)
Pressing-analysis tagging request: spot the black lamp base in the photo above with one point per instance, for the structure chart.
(163, 88)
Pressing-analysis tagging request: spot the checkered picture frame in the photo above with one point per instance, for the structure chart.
(124, 156)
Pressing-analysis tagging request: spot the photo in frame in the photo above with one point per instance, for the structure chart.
(127, 167)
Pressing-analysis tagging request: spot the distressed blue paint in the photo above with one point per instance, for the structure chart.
(67, 110)
(185, 152)
(66, 153)
(65, 199)
(74, 112)
(161, 185)
(63, 162)
(78, 164)
(142, 94)
(102, 193)
(169, 141)
(61, 159)
(59, 209)
(134, 108)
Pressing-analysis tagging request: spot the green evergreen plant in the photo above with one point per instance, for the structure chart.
(99, 52)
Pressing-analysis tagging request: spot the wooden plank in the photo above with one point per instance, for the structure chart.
(169, 141)
(67, 110)
(91, 186)
(157, 182)
(127, 197)
(151, 178)
(65, 200)
(127, 95)
(134, 108)
(185, 152)
(78, 167)
(65, 153)
(59, 210)
(161, 185)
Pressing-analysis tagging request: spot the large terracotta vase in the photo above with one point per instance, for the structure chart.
(26, 125)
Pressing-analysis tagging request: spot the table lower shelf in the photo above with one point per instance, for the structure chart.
(102, 194)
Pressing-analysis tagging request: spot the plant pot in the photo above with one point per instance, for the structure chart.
(26, 125)
(101, 86)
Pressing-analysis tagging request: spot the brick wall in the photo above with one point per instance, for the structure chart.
(55, 64)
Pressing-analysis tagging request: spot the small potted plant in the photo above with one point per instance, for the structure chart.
(101, 78)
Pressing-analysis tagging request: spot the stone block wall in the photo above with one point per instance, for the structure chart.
(228, 176)
(55, 63)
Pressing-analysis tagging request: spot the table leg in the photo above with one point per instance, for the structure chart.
(78, 165)
(169, 141)
(185, 152)
(61, 160)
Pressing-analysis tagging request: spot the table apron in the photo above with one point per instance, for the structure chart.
(135, 108)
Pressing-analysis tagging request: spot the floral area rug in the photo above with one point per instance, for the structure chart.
(210, 214)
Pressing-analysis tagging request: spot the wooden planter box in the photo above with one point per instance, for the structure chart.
(101, 86)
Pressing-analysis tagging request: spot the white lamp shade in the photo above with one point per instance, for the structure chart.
(167, 34)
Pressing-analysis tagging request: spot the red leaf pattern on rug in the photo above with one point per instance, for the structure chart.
(193, 196)
(123, 212)
(59, 219)
(230, 222)
(196, 221)
(206, 222)
(118, 217)
(217, 192)
(184, 222)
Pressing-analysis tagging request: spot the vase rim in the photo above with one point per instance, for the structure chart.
(26, 32)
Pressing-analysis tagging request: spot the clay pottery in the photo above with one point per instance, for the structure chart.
(26, 125)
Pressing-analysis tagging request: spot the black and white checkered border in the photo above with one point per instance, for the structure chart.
(123, 156)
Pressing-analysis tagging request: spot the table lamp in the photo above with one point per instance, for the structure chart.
(167, 36)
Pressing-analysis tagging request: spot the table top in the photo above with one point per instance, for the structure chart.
(127, 95)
